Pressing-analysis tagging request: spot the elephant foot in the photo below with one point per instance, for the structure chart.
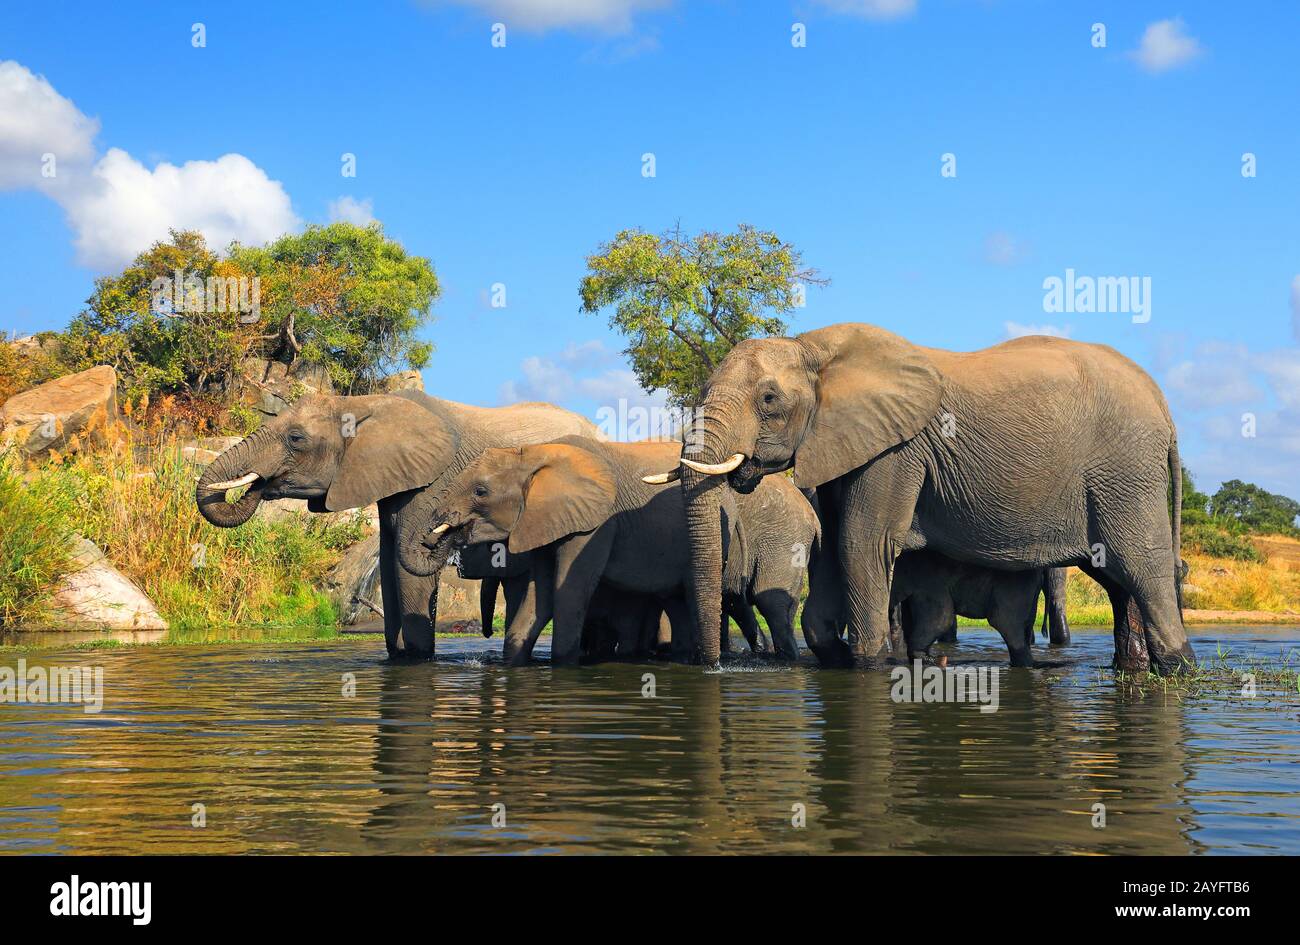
(1022, 660)
(1173, 663)
(870, 663)
(408, 655)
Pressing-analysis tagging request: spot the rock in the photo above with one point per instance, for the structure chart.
(353, 585)
(98, 595)
(275, 510)
(271, 386)
(62, 414)
(203, 451)
(402, 380)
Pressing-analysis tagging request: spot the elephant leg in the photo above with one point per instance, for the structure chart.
(683, 638)
(879, 501)
(535, 609)
(516, 590)
(825, 612)
(390, 596)
(897, 637)
(487, 603)
(949, 634)
(778, 608)
(741, 611)
(1058, 626)
(1139, 557)
(579, 562)
(1130, 642)
(925, 618)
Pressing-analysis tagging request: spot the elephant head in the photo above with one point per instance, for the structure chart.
(336, 452)
(824, 402)
(526, 496)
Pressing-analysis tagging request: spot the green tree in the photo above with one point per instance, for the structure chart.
(132, 322)
(1255, 508)
(1196, 504)
(684, 301)
(344, 297)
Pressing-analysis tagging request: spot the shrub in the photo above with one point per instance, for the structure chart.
(1215, 541)
(34, 533)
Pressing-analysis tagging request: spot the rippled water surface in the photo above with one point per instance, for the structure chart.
(266, 738)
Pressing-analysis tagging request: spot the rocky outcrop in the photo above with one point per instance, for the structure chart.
(271, 386)
(203, 451)
(64, 414)
(95, 595)
(402, 380)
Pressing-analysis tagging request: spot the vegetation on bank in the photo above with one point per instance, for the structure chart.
(136, 502)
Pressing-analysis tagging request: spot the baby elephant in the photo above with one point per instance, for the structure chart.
(932, 590)
(582, 509)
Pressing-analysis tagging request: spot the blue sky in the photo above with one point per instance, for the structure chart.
(512, 164)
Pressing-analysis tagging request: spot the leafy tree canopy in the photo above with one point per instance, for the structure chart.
(684, 301)
(341, 296)
(1257, 509)
(345, 297)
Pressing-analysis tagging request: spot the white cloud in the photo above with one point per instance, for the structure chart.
(586, 371)
(871, 9)
(1166, 45)
(1017, 330)
(116, 206)
(1223, 390)
(351, 210)
(36, 120)
(606, 16)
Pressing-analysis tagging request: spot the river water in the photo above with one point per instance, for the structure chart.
(325, 747)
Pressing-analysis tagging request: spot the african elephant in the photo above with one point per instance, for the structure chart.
(1038, 452)
(347, 452)
(931, 591)
(584, 512)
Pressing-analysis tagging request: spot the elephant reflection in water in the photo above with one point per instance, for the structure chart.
(947, 778)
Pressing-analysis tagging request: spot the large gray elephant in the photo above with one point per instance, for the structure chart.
(1038, 452)
(586, 515)
(347, 452)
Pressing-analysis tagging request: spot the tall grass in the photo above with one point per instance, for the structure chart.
(34, 547)
(136, 502)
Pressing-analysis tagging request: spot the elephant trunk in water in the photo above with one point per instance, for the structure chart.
(713, 441)
(241, 460)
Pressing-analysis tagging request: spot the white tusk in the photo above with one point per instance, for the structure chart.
(658, 479)
(440, 529)
(717, 469)
(233, 483)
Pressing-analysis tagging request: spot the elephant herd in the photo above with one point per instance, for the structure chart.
(923, 484)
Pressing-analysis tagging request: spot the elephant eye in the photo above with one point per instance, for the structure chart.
(769, 398)
(297, 439)
(480, 491)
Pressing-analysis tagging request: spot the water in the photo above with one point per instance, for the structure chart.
(282, 761)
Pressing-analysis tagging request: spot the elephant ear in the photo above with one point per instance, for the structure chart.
(874, 391)
(396, 445)
(571, 490)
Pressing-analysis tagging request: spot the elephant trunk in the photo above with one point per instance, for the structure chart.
(245, 457)
(703, 495)
(414, 520)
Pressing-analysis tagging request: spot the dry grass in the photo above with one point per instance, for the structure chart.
(137, 504)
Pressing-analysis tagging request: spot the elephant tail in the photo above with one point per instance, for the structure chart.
(1176, 489)
(1045, 590)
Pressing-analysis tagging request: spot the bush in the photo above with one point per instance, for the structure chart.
(137, 504)
(34, 533)
(1215, 541)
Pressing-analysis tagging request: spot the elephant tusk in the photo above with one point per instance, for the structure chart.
(440, 529)
(232, 483)
(658, 479)
(716, 469)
